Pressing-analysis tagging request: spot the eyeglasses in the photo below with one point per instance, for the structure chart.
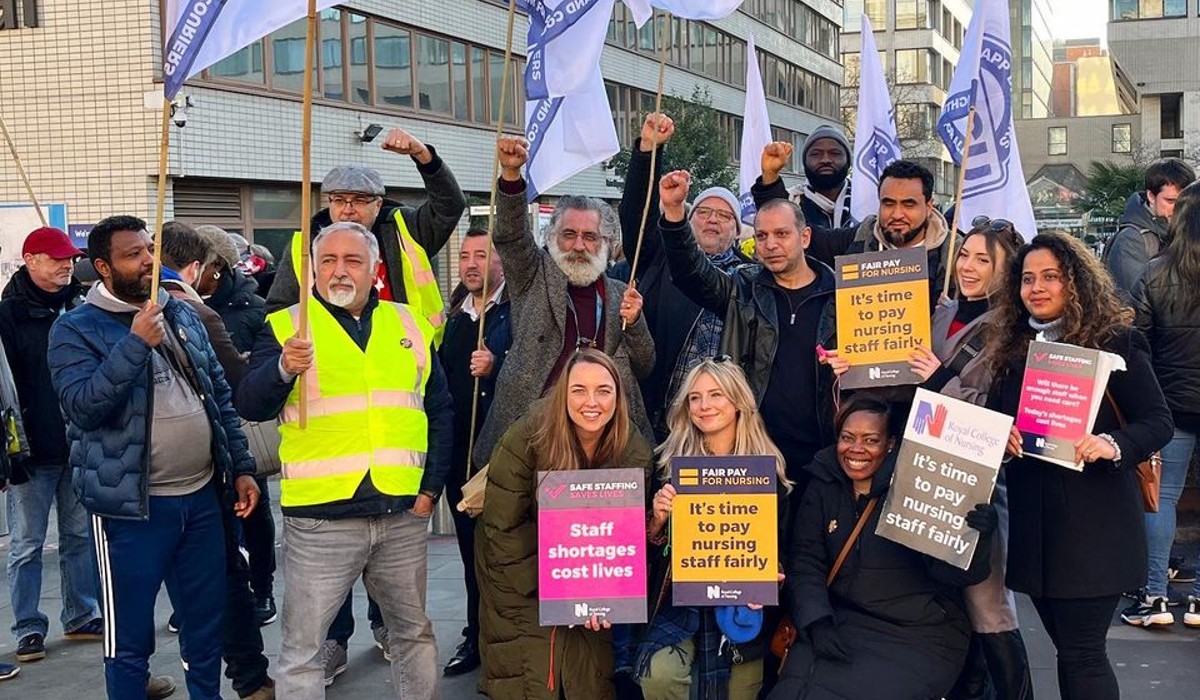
(356, 202)
(985, 221)
(708, 212)
(589, 237)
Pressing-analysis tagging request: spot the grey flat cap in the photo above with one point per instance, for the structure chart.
(353, 178)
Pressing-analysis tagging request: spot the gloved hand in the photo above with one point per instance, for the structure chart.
(984, 518)
(826, 642)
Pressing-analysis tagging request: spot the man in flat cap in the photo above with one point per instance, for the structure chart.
(408, 237)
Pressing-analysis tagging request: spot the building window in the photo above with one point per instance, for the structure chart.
(366, 61)
(912, 66)
(912, 14)
(393, 66)
(1170, 117)
(1148, 9)
(876, 11)
(1058, 141)
(1122, 138)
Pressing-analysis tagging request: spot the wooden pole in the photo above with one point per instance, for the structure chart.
(664, 37)
(508, 42)
(21, 171)
(962, 181)
(160, 205)
(304, 274)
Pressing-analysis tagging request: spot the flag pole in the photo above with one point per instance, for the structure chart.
(663, 42)
(962, 181)
(160, 205)
(304, 274)
(21, 171)
(508, 42)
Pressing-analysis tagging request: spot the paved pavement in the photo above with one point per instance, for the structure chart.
(1150, 664)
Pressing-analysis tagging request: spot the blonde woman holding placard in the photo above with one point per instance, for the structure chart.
(713, 414)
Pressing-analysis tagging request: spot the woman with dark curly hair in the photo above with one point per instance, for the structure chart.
(1076, 538)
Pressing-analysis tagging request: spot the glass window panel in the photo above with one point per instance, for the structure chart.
(393, 66)
(245, 66)
(478, 86)
(458, 69)
(1175, 8)
(331, 54)
(1057, 145)
(496, 74)
(281, 204)
(1148, 9)
(360, 81)
(710, 52)
(433, 74)
(1125, 9)
(1122, 138)
(738, 61)
(287, 55)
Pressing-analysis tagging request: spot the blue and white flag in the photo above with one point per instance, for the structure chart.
(567, 135)
(756, 132)
(876, 143)
(995, 181)
(203, 32)
(563, 45)
(643, 10)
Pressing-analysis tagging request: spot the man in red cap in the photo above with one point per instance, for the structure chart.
(41, 290)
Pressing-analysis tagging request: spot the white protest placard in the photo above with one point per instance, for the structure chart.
(948, 463)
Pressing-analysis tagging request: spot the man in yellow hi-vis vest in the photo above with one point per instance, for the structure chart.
(361, 480)
(408, 238)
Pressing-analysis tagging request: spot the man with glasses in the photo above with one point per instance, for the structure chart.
(39, 292)
(562, 299)
(683, 331)
(407, 237)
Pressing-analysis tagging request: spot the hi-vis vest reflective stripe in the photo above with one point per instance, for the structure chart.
(366, 410)
(421, 289)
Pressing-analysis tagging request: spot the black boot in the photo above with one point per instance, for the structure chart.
(973, 682)
(1008, 665)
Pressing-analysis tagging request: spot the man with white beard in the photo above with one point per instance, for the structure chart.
(561, 300)
(361, 481)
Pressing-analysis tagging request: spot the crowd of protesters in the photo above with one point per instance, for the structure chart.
(154, 426)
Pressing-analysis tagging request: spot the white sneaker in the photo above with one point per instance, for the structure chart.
(1191, 618)
(1148, 612)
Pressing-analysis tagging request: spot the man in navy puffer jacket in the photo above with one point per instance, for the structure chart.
(154, 443)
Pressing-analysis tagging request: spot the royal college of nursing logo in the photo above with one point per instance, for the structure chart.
(991, 141)
(878, 154)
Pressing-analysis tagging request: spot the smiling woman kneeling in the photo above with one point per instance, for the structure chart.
(891, 625)
(583, 423)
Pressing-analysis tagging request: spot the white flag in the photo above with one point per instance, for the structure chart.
(567, 135)
(563, 45)
(876, 144)
(642, 10)
(756, 131)
(995, 180)
(203, 32)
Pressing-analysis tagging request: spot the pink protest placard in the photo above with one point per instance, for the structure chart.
(592, 546)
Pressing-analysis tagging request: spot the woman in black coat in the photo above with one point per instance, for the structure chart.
(892, 624)
(1167, 302)
(1076, 538)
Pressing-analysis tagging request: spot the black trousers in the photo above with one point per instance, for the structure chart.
(1079, 628)
(464, 529)
(258, 532)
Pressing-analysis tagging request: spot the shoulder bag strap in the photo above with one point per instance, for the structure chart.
(969, 350)
(1116, 409)
(841, 558)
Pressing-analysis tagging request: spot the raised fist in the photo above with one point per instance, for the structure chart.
(673, 191)
(775, 158)
(400, 141)
(513, 152)
(656, 131)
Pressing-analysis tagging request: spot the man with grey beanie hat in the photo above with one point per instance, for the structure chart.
(682, 331)
(825, 195)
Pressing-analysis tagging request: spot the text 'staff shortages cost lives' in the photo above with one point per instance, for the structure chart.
(724, 536)
(882, 315)
(591, 546)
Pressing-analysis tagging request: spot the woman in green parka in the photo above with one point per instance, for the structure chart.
(582, 424)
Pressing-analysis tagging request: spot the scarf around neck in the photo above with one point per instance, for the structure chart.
(1049, 331)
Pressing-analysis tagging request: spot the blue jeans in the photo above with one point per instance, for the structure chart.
(1160, 526)
(29, 516)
